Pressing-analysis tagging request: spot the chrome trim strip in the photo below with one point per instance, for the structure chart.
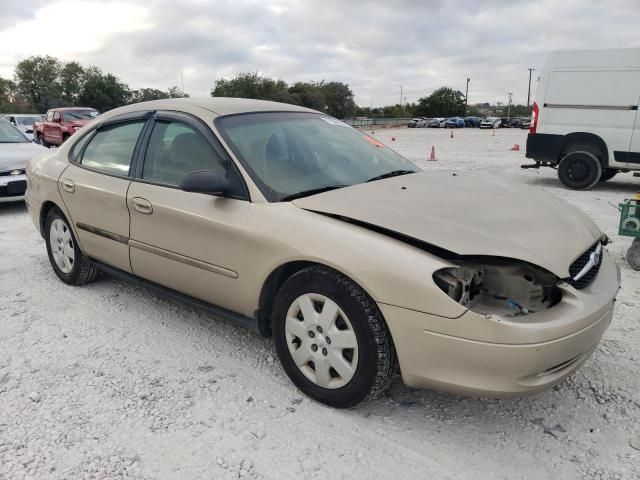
(103, 233)
(591, 107)
(594, 259)
(192, 262)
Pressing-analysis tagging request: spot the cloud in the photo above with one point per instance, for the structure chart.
(375, 46)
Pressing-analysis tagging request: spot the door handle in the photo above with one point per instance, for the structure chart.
(68, 185)
(142, 205)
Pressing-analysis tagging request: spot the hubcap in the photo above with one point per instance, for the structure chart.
(578, 170)
(62, 245)
(321, 340)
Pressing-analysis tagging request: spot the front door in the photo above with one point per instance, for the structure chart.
(633, 157)
(94, 190)
(191, 242)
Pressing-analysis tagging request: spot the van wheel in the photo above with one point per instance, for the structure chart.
(608, 174)
(331, 338)
(580, 170)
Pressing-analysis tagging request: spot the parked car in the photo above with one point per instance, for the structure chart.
(24, 123)
(491, 122)
(585, 116)
(417, 123)
(524, 123)
(436, 123)
(15, 151)
(60, 123)
(473, 122)
(454, 122)
(308, 230)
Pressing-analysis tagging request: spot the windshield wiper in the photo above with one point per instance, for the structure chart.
(392, 173)
(313, 191)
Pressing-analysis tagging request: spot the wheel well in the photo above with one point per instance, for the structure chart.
(584, 141)
(270, 290)
(44, 211)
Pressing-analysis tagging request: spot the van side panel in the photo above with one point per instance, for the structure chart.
(600, 102)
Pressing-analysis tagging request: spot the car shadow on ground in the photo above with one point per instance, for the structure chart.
(626, 186)
(11, 208)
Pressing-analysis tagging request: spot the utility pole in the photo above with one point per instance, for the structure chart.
(529, 91)
(509, 109)
(466, 98)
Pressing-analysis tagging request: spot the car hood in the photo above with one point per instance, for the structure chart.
(468, 214)
(16, 155)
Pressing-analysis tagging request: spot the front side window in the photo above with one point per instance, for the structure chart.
(175, 150)
(291, 153)
(56, 116)
(49, 116)
(111, 148)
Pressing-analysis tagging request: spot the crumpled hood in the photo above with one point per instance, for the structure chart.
(468, 214)
(16, 155)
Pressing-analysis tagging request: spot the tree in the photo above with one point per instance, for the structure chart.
(444, 102)
(252, 85)
(103, 91)
(338, 98)
(175, 92)
(147, 94)
(72, 77)
(37, 79)
(308, 94)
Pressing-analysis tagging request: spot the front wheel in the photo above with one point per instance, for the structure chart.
(608, 174)
(580, 170)
(41, 141)
(331, 338)
(68, 262)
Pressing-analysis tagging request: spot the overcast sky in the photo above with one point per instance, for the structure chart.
(375, 46)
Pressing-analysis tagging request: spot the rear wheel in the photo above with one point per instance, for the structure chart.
(608, 174)
(331, 338)
(70, 264)
(580, 170)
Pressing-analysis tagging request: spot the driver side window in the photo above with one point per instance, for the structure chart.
(175, 150)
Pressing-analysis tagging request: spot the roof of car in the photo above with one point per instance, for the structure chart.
(217, 105)
(72, 108)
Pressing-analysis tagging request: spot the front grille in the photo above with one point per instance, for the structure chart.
(577, 266)
(13, 189)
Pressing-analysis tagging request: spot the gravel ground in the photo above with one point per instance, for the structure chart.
(110, 381)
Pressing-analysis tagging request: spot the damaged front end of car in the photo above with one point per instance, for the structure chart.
(497, 286)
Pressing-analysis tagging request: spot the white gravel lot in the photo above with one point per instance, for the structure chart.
(110, 381)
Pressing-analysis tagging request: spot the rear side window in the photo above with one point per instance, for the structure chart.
(111, 148)
(175, 150)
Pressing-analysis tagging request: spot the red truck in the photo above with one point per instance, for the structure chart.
(60, 123)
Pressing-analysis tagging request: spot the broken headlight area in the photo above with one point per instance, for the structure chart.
(500, 287)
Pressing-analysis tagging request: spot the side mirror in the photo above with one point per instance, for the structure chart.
(205, 181)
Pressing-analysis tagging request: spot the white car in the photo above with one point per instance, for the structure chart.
(15, 151)
(24, 122)
(491, 122)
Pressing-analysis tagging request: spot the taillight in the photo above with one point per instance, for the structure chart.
(534, 118)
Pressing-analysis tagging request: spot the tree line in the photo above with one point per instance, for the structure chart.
(44, 82)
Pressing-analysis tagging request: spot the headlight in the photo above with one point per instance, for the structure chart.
(500, 286)
(19, 171)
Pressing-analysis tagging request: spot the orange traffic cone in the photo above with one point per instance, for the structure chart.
(515, 148)
(432, 157)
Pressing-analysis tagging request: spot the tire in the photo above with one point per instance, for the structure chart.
(69, 263)
(41, 141)
(608, 174)
(633, 255)
(580, 170)
(351, 374)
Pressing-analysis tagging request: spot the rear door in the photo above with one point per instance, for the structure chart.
(633, 157)
(191, 242)
(94, 188)
(53, 129)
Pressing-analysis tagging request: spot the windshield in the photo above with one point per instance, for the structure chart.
(287, 153)
(10, 134)
(71, 115)
(27, 121)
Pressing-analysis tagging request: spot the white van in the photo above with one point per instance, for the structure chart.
(584, 120)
